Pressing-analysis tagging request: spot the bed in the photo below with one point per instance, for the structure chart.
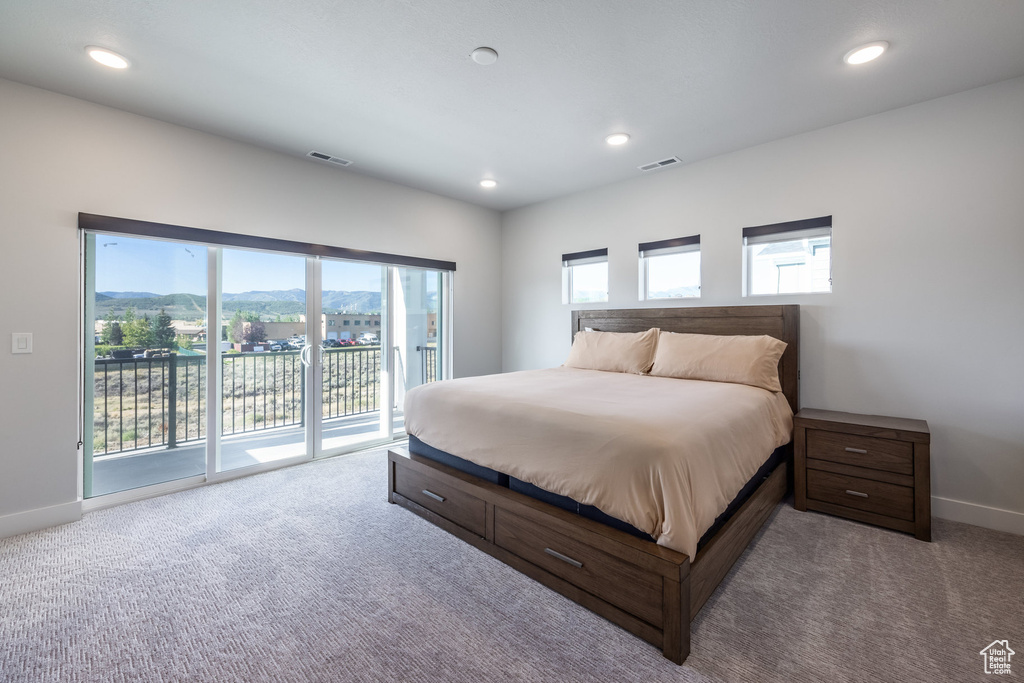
(608, 563)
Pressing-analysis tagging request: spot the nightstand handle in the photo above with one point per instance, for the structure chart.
(857, 493)
(856, 450)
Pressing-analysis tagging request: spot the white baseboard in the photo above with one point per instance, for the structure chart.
(40, 518)
(978, 515)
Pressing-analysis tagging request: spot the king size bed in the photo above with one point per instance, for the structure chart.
(604, 478)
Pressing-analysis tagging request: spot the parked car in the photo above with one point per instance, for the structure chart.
(368, 338)
(331, 343)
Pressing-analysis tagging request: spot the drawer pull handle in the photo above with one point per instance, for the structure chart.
(856, 450)
(564, 558)
(431, 494)
(857, 493)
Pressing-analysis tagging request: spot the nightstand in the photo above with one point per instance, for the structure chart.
(869, 468)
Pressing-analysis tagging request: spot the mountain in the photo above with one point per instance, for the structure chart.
(677, 292)
(129, 295)
(267, 304)
(351, 302)
(273, 295)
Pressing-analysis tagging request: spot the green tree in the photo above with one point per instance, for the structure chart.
(112, 327)
(137, 331)
(235, 327)
(116, 334)
(163, 331)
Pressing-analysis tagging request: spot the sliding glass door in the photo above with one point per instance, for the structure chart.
(352, 322)
(264, 360)
(146, 378)
(205, 361)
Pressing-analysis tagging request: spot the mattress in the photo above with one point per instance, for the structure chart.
(778, 456)
(666, 456)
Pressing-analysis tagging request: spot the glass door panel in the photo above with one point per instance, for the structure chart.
(145, 368)
(352, 323)
(263, 340)
(416, 334)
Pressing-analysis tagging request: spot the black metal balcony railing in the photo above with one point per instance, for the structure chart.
(350, 381)
(147, 402)
(144, 402)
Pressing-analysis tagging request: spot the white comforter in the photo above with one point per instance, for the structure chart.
(666, 455)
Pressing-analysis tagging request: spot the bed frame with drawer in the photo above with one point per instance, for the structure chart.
(647, 589)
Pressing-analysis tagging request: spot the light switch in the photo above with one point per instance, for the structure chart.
(21, 342)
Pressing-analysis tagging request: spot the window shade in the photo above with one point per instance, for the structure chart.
(580, 258)
(677, 245)
(793, 230)
(126, 226)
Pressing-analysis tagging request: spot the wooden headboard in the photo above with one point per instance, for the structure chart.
(781, 322)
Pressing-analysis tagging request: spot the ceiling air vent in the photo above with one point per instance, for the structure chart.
(654, 166)
(329, 159)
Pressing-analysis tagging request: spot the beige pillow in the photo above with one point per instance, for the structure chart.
(738, 359)
(614, 351)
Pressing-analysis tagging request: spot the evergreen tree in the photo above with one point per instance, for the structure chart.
(235, 327)
(116, 335)
(163, 331)
(106, 334)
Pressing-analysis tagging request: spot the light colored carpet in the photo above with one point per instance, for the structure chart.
(308, 574)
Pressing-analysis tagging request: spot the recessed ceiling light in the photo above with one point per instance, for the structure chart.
(488, 183)
(107, 58)
(865, 53)
(617, 139)
(484, 55)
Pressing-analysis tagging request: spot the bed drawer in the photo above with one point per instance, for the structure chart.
(616, 581)
(878, 497)
(454, 505)
(861, 451)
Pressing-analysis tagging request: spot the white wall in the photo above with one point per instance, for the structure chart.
(60, 156)
(926, 318)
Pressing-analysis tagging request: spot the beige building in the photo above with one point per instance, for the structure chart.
(338, 326)
(282, 330)
(349, 325)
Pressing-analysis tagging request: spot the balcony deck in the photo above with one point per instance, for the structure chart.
(145, 467)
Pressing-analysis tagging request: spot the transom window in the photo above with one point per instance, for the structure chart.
(788, 258)
(670, 269)
(585, 277)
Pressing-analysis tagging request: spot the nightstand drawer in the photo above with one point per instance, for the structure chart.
(861, 451)
(878, 497)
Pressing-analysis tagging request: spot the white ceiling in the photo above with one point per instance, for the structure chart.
(389, 83)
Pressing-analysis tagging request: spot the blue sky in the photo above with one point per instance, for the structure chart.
(125, 264)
